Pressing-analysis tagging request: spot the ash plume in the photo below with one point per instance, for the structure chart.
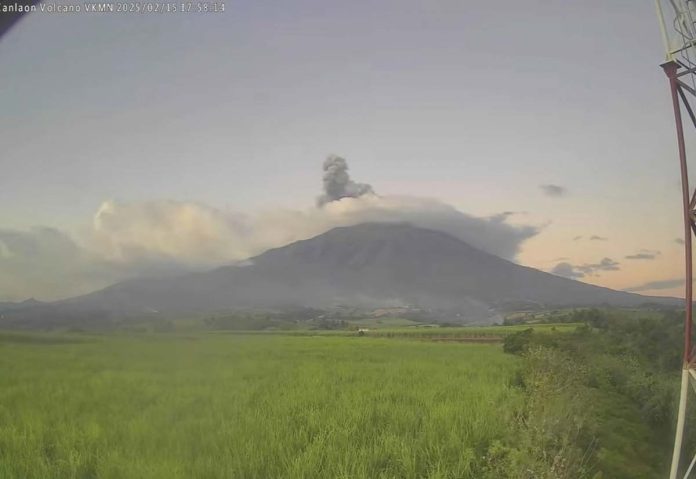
(337, 182)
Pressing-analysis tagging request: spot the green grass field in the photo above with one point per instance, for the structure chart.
(249, 406)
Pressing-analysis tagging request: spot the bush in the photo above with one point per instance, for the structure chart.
(620, 374)
(517, 343)
(552, 438)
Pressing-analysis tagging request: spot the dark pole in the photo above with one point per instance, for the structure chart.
(670, 69)
(8, 19)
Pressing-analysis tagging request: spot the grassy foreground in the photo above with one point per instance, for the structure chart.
(231, 406)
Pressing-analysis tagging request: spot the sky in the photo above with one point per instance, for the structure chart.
(142, 144)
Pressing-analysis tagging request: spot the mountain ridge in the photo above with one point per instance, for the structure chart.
(365, 265)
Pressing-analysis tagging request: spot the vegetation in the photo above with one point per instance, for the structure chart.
(168, 406)
(625, 374)
(590, 397)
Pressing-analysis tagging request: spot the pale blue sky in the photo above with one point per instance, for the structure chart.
(475, 103)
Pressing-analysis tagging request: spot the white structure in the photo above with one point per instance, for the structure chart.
(678, 28)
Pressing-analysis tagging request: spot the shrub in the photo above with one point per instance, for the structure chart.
(518, 342)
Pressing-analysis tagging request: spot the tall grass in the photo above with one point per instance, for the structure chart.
(214, 406)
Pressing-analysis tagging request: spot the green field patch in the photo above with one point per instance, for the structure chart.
(252, 406)
(380, 323)
(12, 337)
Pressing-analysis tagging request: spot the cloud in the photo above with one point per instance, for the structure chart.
(504, 215)
(644, 254)
(591, 238)
(640, 256)
(45, 260)
(657, 285)
(607, 264)
(566, 270)
(193, 233)
(171, 232)
(130, 239)
(588, 269)
(555, 191)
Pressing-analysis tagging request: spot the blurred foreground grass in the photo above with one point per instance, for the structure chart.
(240, 406)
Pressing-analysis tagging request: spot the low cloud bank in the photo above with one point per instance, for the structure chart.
(129, 239)
(657, 285)
(568, 270)
(644, 254)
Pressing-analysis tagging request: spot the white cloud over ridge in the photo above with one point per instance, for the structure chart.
(198, 235)
(129, 239)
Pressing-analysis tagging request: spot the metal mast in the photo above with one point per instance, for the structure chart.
(679, 38)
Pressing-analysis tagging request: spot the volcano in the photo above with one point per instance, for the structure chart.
(369, 265)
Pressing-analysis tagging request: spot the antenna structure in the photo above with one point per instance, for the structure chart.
(677, 19)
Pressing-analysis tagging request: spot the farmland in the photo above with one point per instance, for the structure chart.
(420, 332)
(569, 401)
(249, 406)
